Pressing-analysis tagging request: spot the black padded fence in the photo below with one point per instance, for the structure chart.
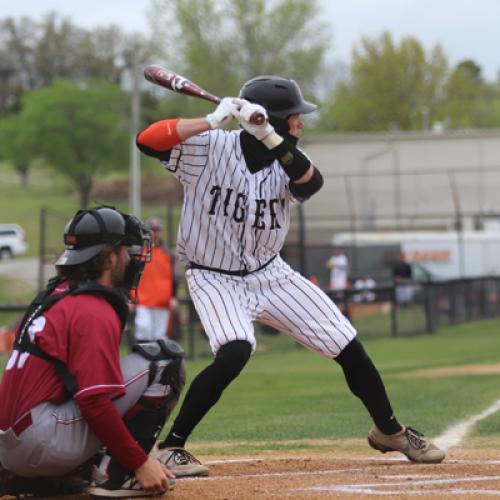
(410, 309)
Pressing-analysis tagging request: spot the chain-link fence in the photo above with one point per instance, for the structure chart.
(407, 309)
(52, 225)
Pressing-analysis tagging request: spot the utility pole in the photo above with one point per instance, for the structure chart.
(135, 165)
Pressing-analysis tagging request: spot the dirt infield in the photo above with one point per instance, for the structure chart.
(465, 474)
(339, 473)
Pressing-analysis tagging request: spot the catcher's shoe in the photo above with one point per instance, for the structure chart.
(180, 462)
(127, 488)
(409, 442)
(14, 485)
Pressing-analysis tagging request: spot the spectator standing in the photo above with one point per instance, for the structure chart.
(338, 265)
(156, 290)
(366, 285)
(402, 276)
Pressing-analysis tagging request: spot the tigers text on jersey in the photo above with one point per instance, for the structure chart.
(232, 219)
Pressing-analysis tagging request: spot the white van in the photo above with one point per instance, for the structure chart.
(11, 241)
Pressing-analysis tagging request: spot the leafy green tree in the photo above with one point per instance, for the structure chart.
(14, 146)
(486, 109)
(391, 87)
(464, 89)
(220, 44)
(81, 131)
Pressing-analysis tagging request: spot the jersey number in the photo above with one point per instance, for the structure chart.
(18, 359)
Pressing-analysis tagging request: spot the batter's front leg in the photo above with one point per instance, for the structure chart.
(204, 391)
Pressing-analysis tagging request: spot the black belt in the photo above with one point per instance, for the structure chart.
(241, 273)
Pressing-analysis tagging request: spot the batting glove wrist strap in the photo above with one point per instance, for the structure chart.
(294, 162)
(272, 140)
(223, 114)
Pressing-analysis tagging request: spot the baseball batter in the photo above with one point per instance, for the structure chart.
(239, 187)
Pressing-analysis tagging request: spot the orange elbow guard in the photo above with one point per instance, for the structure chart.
(160, 136)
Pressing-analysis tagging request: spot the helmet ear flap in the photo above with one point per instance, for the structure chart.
(280, 125)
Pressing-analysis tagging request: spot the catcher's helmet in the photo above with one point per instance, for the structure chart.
(89, 231)
(280, 96)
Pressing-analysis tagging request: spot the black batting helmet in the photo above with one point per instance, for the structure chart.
(89, 231)
(281, 97)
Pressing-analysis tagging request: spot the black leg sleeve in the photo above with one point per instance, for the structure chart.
(206, 389)
(365, 382)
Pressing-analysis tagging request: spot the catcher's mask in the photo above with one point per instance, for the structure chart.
(89, 231)
(281, 97)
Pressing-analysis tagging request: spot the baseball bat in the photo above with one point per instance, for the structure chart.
(172, 81)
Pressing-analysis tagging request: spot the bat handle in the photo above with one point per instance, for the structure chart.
(257, 118)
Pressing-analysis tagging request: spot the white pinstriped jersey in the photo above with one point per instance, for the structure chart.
(231, 219)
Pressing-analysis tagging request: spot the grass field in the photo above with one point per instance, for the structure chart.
(288, 394)
(289, 428)
(295, 395)
(283, 396)
(22, 205)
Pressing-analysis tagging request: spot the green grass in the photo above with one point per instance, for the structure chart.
(296, 395)
(287, 395)
(12, 292)
(22, 205)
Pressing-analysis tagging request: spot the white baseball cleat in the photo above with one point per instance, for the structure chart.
(180, 462)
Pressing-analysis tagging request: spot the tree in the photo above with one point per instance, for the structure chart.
(391, 87)
(38, 52)
(220, 44)
(14, 146)
(82, 131)
(465, 87)
(486, 109)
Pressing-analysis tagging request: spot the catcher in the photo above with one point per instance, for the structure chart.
(65, 394)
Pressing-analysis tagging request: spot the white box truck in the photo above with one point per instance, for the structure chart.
(445, 255)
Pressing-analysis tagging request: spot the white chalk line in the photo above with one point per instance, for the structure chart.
(450, 438)
(455, 434)
(274, 474)
(405, 492)
(397, 459)
(375, 489)
(331, 471)
(384, 488)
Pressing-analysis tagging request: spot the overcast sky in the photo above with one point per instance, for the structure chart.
(467, 29)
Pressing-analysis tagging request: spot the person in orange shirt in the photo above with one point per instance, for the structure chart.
(155, 293)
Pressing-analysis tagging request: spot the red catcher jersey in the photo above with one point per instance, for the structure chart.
(84, 332)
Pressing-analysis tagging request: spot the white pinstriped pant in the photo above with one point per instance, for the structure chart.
(277, 296)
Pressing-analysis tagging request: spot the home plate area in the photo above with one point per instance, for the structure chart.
(464, 475)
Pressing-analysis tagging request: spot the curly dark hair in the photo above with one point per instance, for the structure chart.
(88, 271)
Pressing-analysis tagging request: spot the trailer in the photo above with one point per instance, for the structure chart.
(441, 254)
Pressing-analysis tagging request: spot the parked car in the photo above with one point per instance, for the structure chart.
(11, 241)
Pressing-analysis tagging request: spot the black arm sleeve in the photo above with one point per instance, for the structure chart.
(307, 189)
(293, 161)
